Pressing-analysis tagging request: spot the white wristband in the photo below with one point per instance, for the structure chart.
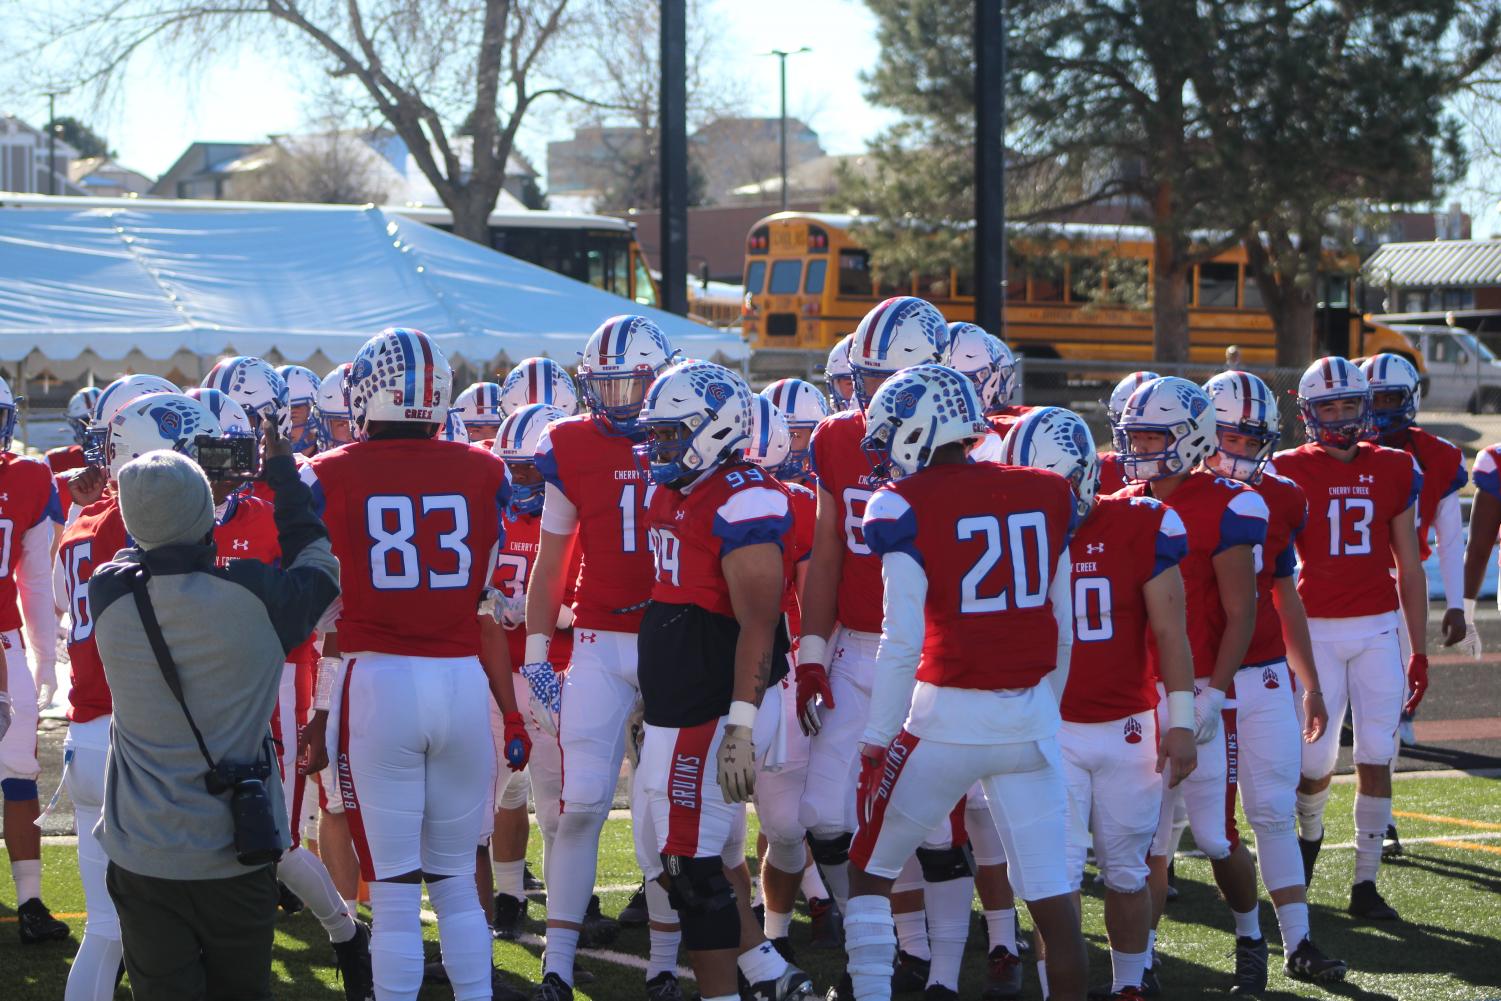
(1180, 710)
(741, 714)
(536, 648)
(1469, 609)
(812, 650)
(323, 689)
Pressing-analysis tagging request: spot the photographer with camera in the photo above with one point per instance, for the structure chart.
(194, 818)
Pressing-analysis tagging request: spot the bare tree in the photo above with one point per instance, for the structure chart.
(337, 167)
(424, 65)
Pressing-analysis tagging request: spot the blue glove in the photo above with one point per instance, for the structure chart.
(547, 695)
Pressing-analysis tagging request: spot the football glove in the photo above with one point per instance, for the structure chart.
(490, 604)
(812, 691)
(547, 695)
(1470, 646)
(735, 764)
(5, 711)
(872, 764)
(635, 732)
(1417, 681)
(1207, 715)
(513, 610)
(565, 616)
(46, 685)
(518, 742)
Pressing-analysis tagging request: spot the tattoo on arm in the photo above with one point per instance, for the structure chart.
(763, 675)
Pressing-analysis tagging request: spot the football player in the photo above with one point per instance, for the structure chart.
(28, 507)
(1362, 500)
(1266, 720)
(416, 524)
(302, 393)
(1485, 525)
(538, 380)
(950, 600)
(712, 641)
(1111, 477)
(1164, 432)
(596, 498)
(480, 408)
(989, 364)
(259, 390)
(841, 623)
(332, 409)
(837, 377)
(78, 415)
(1126, 586)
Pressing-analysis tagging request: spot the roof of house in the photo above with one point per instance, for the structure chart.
(1446, 263)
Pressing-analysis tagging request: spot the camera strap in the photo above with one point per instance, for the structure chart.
(164, 656)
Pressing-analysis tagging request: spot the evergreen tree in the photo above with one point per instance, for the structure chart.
(80, 137)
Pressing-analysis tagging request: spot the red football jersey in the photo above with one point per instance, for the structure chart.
(988, 537)
(1123, 544)
(842, 468)
(597, 471)
(93, 539)
(1443, 466)
(1112, 475)
(1345, 550)
(65, 457)
(514, 569)
(1218, 513)
(1006, 418)
(1287, 512)
(798, 548)
(416, 525)
(28, 496)
(739, 504)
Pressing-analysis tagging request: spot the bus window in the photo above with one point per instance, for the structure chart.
(1086, 281)
(755, 274)
(1016, 279)
(932, 286)
(1047, 280)
(646, 291)
(784, 276)
(854, 272)
(964, 285)
(813, 283)
(1217, 284)
(1250, 296)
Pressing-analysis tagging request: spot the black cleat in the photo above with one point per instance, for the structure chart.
(37, 925)
(352, 958)
(1151, 985)
(1127, 994)
(1003, 976)
(844, 990)
(510, 917)
(1367, 903)
(634, 913)
(529, 880)
(910, 974)
(1172, 882)
(552, 988)
(664, 987)
(792, 985)
(825, 924)
(503, 990)
(783, 946)
(1391, 845)
(1310, 850)
(1250, 966)
(1306, 962)
(289, 902)
(938, 992)
(597, 929)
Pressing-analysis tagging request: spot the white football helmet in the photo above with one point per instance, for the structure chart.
(538, 380)
(1122, 392)
(516, 443)
(986, 360)
(1243, 404)
(480, 406)
(1335, 379)
(1179, 410)
(1059, 440)
(80, 413)
(1389, 373)
(837, 367)
(770, 437)
(617, 367)
(453, 428)
(302, 391)
(401, 377)
(115, 396)
(899, 333)
(915, 412)
(232, 418)
(255, 386)
(802, 406)
(153, 422)
(705, 408)
(332, 403)
(8, 403)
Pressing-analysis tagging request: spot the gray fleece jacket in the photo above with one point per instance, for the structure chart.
(229, 630)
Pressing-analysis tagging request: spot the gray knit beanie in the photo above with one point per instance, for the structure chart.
(165, 500)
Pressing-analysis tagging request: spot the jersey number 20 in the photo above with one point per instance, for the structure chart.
(1029, 571)
(395, 564)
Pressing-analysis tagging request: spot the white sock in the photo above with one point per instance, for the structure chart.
(812, 887)
(947, 905)
(1293, 920)
(1248, 925)
(352, 906)
(396, 939)
(776, 924)
(1042, 977)
(870, 943)
(1372, 815)
(837, 879)
(723, 997)
(912, 933)
(1151, 944)
(571, 870)
(1127, 969)
(1000, 927)
(28, 876)
(306, 876)
(761, 963)
(92, 975)
(510, 878)
(1311, 814)
(664, 952)
(1278, 856)
(562, 947)
(464, 936)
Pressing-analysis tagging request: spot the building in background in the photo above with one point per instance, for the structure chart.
(24, 160)
(735, 152)
(101, 176)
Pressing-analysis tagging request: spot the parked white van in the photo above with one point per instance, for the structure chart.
(1462, 372)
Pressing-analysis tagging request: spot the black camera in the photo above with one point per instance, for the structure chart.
(257, 841)
(231, 457)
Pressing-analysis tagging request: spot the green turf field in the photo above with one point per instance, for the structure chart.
(1448, 890)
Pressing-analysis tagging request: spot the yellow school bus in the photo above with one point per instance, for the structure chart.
(808, 281)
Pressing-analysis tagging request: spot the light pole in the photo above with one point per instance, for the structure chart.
(782, 55)
(51, 143)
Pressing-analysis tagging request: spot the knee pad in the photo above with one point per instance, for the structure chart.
(1265, 828)
(705, 902)
(786, 856)
(1127, 882)
(939, 865)
(18, 790)
(830, 850)
(513, 796)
